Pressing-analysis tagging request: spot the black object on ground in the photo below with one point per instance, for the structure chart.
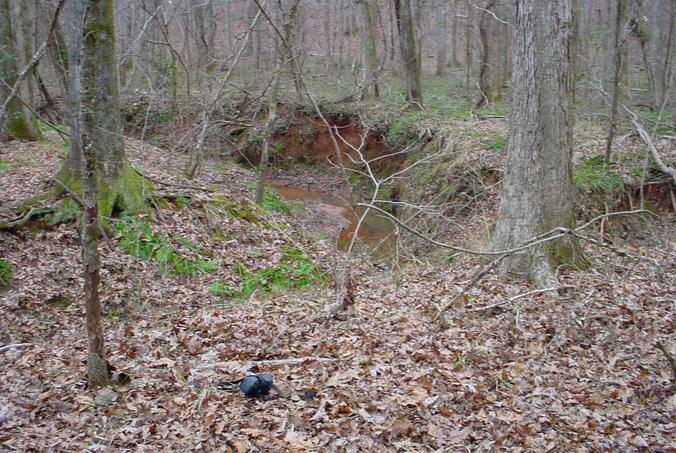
(257, 386)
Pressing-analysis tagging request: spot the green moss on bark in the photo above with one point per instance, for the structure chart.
(127, 193)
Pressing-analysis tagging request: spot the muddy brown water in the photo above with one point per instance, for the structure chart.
(340, 216)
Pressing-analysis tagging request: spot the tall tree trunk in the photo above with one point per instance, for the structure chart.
(409, 52)
(93, 73)
(58, 54)
(537, 185)
(270, 124)
(453, 60)
(204, 33)
(440, 36)
(97, 88)
(488, 91)
(662, 45)
(369, 48)
(619, 44)
(468, 51)
(18, 122)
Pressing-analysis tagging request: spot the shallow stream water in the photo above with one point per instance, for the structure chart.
(342, 214)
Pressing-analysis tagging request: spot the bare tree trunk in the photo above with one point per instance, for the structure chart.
(662, 44)
(468, 51)
(328, 34)
(369, 48)
(18, 121)
(440, 36)
(270, 124)
(454, 35)
(619, 43)
(75, 14)
(98, 42)
(58, 54)
(537, 185)
(409, 53)
(204, 32)
(487, 78)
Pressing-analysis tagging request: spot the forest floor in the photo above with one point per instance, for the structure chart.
(580, 372)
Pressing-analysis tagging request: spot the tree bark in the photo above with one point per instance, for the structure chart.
(93, 71)
(468, 51)
(409, 53)
(662, 44)
(488, 90)
(617, 51)
(369, 48)
(454, 35)
(204, 33)
(18, 121)
(537, 192)
(98, 96)
(440, 36)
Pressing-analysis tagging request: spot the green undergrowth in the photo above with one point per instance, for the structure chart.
(593, 175)
(6, 272)
(294, 271)
(272, 202)
(4, 165)
(222, 206)
(499, 143)
(178, 256)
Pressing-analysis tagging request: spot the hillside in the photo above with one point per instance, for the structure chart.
(209, 287)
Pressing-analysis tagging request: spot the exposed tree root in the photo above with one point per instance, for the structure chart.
(25, 218)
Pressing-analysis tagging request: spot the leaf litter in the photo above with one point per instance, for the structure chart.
(539, 374)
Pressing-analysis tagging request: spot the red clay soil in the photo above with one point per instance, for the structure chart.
(309, 139)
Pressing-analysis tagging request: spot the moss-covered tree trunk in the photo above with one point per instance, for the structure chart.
(18, 122)
(537, 186)
(94, 83)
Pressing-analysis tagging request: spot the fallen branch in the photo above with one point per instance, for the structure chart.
(519, 296)
(653, 150)
(7, 347)
(167, 184)
(272, 362)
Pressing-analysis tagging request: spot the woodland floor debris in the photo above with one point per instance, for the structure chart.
(539, 374)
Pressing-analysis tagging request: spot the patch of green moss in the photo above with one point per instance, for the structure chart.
(4, 165)
(6, 272)
(127, 194)
(65, 211)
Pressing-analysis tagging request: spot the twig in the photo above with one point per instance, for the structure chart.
(180, 186)
(520, 296)
(272, 362)
(7, 347)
